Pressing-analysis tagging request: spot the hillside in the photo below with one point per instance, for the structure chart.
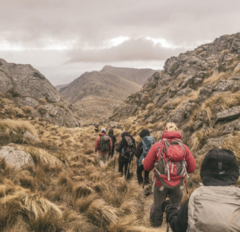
(26, 86)
(199, 90)
(50, 180)
(107, 88)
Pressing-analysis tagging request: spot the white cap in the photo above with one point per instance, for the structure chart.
(103, 130)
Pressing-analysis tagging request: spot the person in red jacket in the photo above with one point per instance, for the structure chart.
(103, 145)
(160, 193)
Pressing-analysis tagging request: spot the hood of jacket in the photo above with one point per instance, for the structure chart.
(172, 135)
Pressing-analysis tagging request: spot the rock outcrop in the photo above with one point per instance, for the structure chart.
(15, 157)
(29, 87)
(199, 90)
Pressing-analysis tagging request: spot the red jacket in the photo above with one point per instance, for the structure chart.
(151, 157)
(97, 144)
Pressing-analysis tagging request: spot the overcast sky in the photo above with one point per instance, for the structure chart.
(64, 38)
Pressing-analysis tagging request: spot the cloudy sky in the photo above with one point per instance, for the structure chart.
(64, 38)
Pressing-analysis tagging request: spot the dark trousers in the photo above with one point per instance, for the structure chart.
(121, 165)
(140, 174)
(111, 153)
(156, 214)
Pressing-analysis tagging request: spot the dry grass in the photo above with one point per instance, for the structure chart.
(13, 130)
(215, 77)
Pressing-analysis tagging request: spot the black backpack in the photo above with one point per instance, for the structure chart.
(129, 147)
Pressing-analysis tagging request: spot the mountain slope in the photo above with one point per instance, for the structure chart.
(28, 87)
(199, 90)
(104, 89)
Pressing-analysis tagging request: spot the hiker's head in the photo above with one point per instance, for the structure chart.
(219, 168)
(144, 132)
(170, 126)
(125, 133)
(103, 130)
(110, 132)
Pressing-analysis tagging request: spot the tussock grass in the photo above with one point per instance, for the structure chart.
(41, 156)
(81, 190)
(13, 130)
(101, 214)
(233, 143)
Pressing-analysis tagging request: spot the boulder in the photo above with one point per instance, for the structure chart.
(224, 85)
(15, 157)
(229, 114)
(206, 92)
(113, 124)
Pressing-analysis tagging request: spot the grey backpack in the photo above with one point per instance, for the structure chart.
(214, 209)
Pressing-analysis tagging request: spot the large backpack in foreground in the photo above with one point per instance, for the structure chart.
(171, 167)
(104, 143)
(147, 143)
(214, 209)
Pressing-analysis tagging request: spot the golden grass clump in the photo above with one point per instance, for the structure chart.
(82, 190)
(232, 143)
(13, 130)
(101, 214)
(23, 202)
(42, 156)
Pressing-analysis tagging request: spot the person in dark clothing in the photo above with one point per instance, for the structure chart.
(138, 153)
(126, 149)
(219, 170)
(113, 137)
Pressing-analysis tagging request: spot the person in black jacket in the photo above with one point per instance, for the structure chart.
(113, 137)
(211, 175)
(125, 153)
(139, 151)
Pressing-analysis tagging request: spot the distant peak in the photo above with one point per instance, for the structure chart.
(106, 67)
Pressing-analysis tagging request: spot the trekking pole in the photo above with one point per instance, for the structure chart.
(167, 227)
(143, 186)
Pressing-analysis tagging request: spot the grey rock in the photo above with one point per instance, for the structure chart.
(113, 124)
(197, 125)
(59, 115)
(206, 92)
(27, 136)
(212, 143)
(27, 85)
(16, 157)
(29, 101)
(224, 85)
(183, 92)
(229, 114)
(177, 116)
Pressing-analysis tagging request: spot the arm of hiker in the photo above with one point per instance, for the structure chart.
(139, 150)
(151, 158)
(191, 163)
(178, 219)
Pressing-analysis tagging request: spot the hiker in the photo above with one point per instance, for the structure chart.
(102, 146)
(113, 138)
(215, 206)
(96, 127)
(126, 149)
(142, 149)
(172, 161)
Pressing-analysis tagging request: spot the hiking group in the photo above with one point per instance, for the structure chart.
(212, 207)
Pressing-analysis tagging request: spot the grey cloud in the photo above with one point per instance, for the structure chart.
(130, 50)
